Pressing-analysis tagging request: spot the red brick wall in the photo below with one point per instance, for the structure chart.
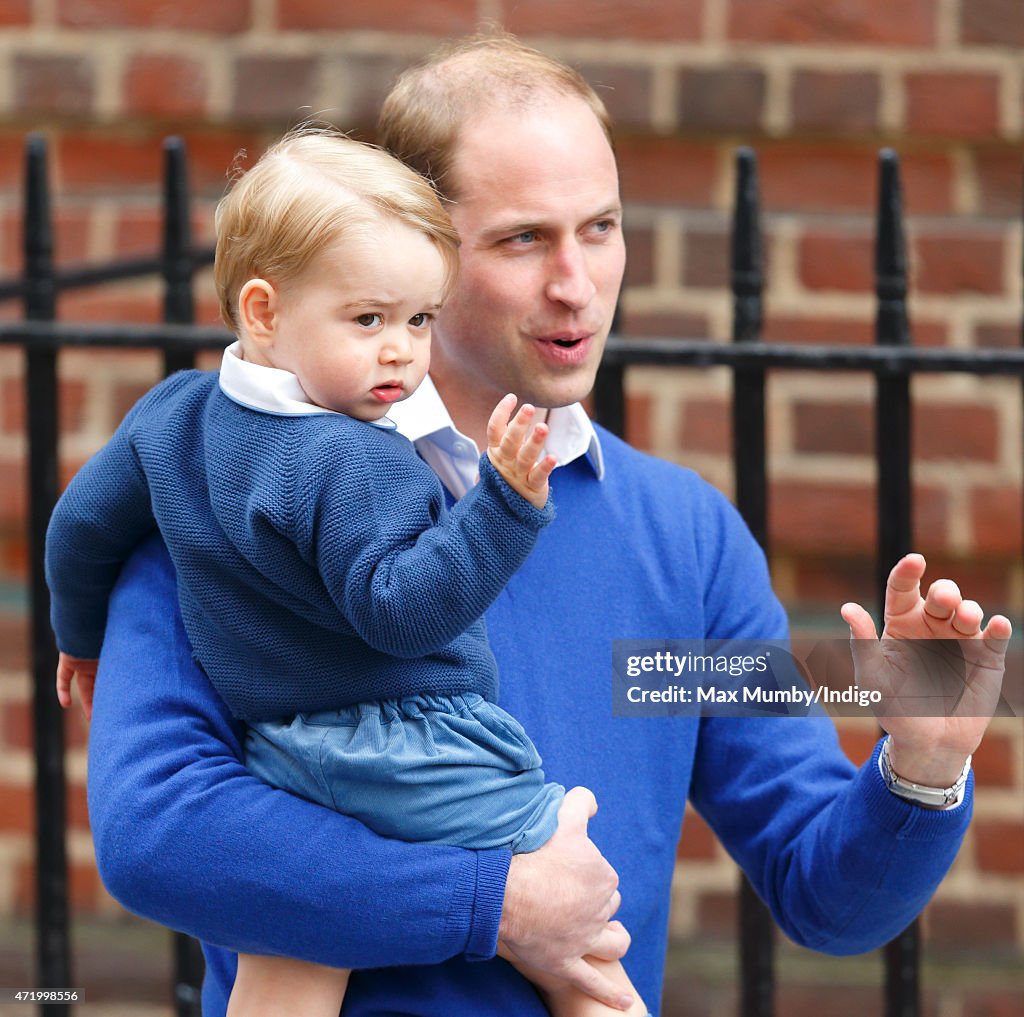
(817, 87)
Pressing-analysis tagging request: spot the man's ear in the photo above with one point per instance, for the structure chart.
(257, 311)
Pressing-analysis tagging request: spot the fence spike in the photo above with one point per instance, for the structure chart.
(53, 946)
(757, 931)
(895, 492)
(177, 265)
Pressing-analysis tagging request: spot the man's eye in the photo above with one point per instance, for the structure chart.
(369, 320)
(526, 237)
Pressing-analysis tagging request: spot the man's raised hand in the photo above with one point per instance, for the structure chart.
(930, 750)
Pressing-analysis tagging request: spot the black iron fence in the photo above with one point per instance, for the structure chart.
(892, 361)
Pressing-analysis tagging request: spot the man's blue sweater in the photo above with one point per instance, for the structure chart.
(185, 836)
(317, 564)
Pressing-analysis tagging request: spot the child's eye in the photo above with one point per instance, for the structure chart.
(419, 320)
(370, 320)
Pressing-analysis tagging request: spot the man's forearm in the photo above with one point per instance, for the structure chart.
(186, 836)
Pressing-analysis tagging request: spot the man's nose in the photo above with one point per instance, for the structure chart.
(569, 279)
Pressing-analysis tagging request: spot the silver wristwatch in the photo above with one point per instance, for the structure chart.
(934, 797)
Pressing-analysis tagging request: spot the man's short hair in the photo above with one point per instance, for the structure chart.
(309, 190)
(421, 116)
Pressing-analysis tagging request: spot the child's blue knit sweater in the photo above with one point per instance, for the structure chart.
(317, 564)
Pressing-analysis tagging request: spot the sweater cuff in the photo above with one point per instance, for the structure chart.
(908, 820)
(527, 513)
(479, 906)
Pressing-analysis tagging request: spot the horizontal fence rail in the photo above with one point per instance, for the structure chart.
(892, 361)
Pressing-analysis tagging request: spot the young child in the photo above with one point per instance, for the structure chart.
(332, 598)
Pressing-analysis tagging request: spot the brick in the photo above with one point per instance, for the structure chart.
(829, 331)
(927, 182)
(639, 256)
(833, 999)
(817, 178)
(12, 406)
(836, 261)
(706, 426)
(13, 641)
(836, 102)
(857, 743)
(996, 520)
(810, 516)
(656, 20)
(843, 428)
(367, 78)
(955, 432)
(718, 915)
(999, 846)
(625, 91)
(12, 160)
(952, 105)
(199, 15)
(931, 515)
(107, 163)
(853, 22)
(992, 1003)
(721, 98)
(929, 333)
(995, 762)
(14, 504)
(71, 234)
(53, 85)
(15, 12)
(999, 174)
(698, 841)
(212, 154)
(139, 230)
(17, 807)
(669, 171)
(664, 324)
(706, 261)
(85, 305)
(164, 85)
(13, 567)
(992, 22)
(639, 409)
(832, 579)
(987, 582)
(439, 18)
(282, 88)
(998, 335)
(126, 395)
(958, 262)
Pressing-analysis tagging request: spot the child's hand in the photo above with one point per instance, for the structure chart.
(513, 449)
(75, 669)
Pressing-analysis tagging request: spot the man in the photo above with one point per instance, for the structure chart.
(518, 144)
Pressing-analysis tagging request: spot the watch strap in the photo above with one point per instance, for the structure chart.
(922, 794)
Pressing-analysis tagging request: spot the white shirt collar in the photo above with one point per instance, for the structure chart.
(268, 389)
(425, 421)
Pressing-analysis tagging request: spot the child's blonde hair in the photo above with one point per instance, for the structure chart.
(308, 191)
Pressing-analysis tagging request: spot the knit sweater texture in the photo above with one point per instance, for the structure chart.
(185, 836)
(318, 565)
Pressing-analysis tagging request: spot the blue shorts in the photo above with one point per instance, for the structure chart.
(436, 769)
